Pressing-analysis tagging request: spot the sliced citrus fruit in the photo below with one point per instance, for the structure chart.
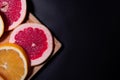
(1, 26)
(13, 62)
(13, 12)
(36, 40)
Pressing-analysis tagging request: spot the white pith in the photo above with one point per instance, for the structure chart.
(46, 53)
(1, 26)
(21, 56)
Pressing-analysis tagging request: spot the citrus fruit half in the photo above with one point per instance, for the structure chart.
(1, 26)
(13, 62)
(13, 12)
(36, 40)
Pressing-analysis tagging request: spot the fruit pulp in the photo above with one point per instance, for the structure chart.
(36, 41)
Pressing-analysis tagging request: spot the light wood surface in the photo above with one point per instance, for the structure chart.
(56, 48)
(57, 45)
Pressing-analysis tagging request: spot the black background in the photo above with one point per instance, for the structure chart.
(89, 33)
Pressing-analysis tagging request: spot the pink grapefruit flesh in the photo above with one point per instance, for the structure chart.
(36, 39)
(13, 12)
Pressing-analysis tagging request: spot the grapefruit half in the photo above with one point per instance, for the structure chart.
(13, 12)
(36, 40)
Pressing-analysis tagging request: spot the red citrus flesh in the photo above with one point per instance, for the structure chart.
(35, 39)
(13, 12)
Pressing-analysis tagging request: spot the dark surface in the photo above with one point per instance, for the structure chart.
(89, 32)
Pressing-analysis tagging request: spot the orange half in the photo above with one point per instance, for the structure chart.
(13, 62)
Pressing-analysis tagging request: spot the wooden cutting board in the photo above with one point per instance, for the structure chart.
(57, 45)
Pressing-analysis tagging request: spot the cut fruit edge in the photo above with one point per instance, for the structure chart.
(1, 26)
(22, 16)
(57, 44)
(22, 55)
(48, 34)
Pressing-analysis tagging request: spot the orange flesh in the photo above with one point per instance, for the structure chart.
(11, 67)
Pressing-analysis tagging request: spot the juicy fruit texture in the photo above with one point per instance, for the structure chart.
(36, 41)
(13, 12)
(1, 26)
(13, 62)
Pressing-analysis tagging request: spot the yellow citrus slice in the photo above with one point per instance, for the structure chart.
(1, 26)
(13, 62)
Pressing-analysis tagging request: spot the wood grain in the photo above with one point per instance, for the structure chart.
(56, 48)
(57, 45)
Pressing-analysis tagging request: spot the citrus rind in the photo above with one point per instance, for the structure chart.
(49, 49)
(1, 26)
(22, 55)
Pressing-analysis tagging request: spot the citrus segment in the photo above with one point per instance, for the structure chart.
(13, 62)
(13, 12)
(1, 26)
(36, 39)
